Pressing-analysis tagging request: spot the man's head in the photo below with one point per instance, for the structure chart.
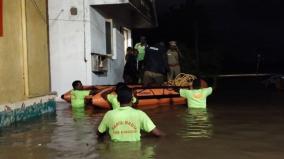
(77, 85)
(143, 40)
(196, 84)
(124, 96)
(135, 51)
(129, 50)
(119, 85)
(172, 45)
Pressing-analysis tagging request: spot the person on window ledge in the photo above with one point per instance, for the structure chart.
(155, 65)
(130, 72)
(140, 47)
(173, 55)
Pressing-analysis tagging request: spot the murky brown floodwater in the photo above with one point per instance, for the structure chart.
(237, 125)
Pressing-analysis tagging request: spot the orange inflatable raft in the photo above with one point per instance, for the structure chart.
(147, 96)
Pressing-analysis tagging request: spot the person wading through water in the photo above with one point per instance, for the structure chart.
(125, 122)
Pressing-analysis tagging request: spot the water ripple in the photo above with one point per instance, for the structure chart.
(197, 124)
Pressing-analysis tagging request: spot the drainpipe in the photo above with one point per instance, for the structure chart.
(84, 25)
(85, 54)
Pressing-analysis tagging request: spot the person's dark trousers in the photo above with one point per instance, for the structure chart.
(140, 71)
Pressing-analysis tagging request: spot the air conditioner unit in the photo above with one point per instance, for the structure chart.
(99, 63)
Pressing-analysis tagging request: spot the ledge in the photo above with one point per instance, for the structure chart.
(21, 111)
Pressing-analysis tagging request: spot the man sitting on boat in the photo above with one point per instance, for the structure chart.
(125, 123)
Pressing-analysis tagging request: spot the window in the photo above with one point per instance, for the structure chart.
(108, 27)
(127, 38)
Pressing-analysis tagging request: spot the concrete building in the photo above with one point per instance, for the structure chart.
(88, 39)
(24, 61)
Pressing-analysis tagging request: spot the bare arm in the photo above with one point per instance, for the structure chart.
(90, 87)
(136, 101)
(93, 89)
(67, 93)
(106, 92)
(157, 133)
(179, 53)
(101, 136)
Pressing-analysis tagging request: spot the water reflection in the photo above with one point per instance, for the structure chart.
(197, 124)
(81, 140)
(75, 134)
(125, 150)
(78, 114)
(27, 139)
(241, 130)
(86, 113)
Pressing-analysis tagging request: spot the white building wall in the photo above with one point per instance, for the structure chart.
(116, 62)
(98, 39)
(67, 45)
(72, 40)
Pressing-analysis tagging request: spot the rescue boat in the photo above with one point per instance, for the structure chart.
(147, 96)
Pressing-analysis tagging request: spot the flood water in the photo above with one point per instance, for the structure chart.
(238, 124)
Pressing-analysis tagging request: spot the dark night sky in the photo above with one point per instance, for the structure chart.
(238, 29)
